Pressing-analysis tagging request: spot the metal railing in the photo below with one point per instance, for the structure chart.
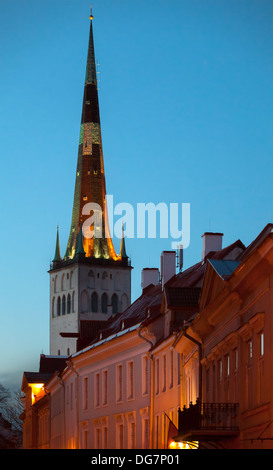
(209, 416)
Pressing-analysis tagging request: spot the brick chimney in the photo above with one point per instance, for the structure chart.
(168, 265)
(149, 276)
(211, 242)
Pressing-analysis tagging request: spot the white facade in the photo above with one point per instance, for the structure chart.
(84, 292)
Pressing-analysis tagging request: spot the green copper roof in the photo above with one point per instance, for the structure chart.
(123, 253)
(79, 245)
(57, 256)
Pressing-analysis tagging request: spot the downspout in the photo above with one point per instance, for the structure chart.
(49, 417)
(183, 333)
(62, 383)
(151, 358)
(200, 358)
(71, 366)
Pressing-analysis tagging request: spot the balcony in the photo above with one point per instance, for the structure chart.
(208, 422)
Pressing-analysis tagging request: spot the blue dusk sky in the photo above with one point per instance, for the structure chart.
(186, 114)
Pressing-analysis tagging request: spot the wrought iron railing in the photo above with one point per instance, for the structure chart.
(209, 416)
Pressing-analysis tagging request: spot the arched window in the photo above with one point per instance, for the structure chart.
(105, 280)
(63, 305)
(84, 301)
(94, 302)
(104, 303)
(71, 280)
(55, 284)
(63, 282)
(73, 302)
(117, 282)
(59, 306)
(53, 307)
(69, 303)
(124, 302)
(114, 303)
(91, 280)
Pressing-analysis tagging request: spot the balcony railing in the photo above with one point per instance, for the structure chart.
(209, 417)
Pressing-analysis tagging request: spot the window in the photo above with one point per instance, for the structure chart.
(119, 382)
(69, 303)
(63, 305)
(53, 307)
(85, 393)
(171, 371)
(97, 390)
(145, 375)
(121, 436)
(220, 369)
(59, 306)
(132, 435)
(130, 380)
(104, 303)
(114, 303)
(164, 373)
(236, 359)
(261, 344)
(157, 376)
(227, 365)
(250, 350)
(178, 368)
(105, 387)
(94, 302)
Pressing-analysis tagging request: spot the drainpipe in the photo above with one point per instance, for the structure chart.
(183, 333)
(151, 358)
(200, 358)
(71, 366)
(49, 417)
(63, 385)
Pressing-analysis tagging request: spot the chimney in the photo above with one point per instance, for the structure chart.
(168, 265)
(211, 242)
(149, 276)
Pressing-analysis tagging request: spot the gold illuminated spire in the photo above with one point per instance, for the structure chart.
(91, 14)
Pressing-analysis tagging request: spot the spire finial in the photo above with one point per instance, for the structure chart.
(91, 14)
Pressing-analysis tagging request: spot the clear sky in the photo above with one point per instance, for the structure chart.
(186, 114)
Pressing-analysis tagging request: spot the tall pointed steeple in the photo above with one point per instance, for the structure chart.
(90, 184)
(57, 256)
(123, 254)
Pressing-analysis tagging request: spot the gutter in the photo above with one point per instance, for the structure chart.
(183, 333)
(151, 358)
(71, 367)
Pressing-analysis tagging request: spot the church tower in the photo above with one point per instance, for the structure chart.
(90, 283)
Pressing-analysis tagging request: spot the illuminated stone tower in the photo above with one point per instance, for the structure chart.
(91, 282)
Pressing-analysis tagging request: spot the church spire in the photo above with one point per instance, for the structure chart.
(90, 184)
(57, 256)
(123, 254)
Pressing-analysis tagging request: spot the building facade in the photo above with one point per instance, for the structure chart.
(186, 365)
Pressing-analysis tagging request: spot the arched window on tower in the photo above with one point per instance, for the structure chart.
(53, 307)
(104, 303)
(69, 303)
(55, 283)
(84, 301)
(124, 302)
(59, 306)
(114, 303)
(105, 280)
(91, 280)
(73, 302)
(63, 282)
(117, 282)
(63, 305)
(94, 302)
